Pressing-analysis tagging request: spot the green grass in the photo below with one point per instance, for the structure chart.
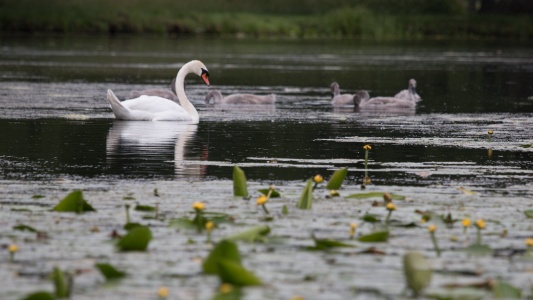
(379, 19)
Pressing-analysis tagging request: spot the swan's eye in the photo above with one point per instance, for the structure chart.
(205, 76)
(204, 71)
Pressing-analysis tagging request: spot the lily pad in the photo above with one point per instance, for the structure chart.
(40, 296)
(110, 272)
(336, 179)
(147, 208)
(375, 237)
(234, 273)
(74, 202)
(370, 218)
(504, 290)
(306, 199)
(529, 213)
(251, 235)
(374, 195)
(137, 239)
(240, 188)
(324, 244)
(478, 250)
(224, 250)
(23, 227)
(274, 193)
(417, 271)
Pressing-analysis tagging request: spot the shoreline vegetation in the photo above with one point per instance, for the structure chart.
(364, 19)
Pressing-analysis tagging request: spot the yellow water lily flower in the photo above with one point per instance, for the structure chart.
(198, 205)
(262, 200)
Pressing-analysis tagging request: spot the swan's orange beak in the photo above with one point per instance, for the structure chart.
(205, 76)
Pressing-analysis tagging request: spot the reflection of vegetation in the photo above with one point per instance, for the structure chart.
(339, 18)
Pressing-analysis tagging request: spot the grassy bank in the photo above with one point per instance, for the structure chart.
(301, 19)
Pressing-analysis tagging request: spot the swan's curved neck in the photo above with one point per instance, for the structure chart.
(215, 95)
(180, 92)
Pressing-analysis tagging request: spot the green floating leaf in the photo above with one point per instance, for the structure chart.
(74, 202)
(529, 213)
(478, 250)
(504, 290)
(234, 273)
(23, 227)
(110, 272)
(375, 237)
(182, 223)
(148, 208)
(285, 209)
(40, 296)
(37, 196)
(62, 283)
(336, 179)
(324, 244)
(128, 198)
(370, 218)
(130, 226)
(274, 193)
(457, 294)
(306, 199)
(240, 188)
(374, 195)
(224, 250)
(251, 235)
(417, 271)
(137, 239)
(526, 146)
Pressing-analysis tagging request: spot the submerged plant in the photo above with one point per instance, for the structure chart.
(432, 229)
(13, 248)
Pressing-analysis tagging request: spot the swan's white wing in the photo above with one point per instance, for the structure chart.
(152, 104)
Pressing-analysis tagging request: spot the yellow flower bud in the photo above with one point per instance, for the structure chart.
(318, 178)
(209, 225)
(390, 206)
(198, 205)
(297, 297)
(367, 147)
(480, 224)
(353, 226)
(262, 200)
(490, 132)
(13, 248)
(162, 292)
(529, 242)
(432, 228)
(225, 288)
(466, 222)
(334, 193)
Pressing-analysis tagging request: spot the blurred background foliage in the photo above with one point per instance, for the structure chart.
(368, 19)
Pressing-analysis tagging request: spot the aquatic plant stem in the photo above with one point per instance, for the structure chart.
(127, 206)
(478, 240)
(435, 244)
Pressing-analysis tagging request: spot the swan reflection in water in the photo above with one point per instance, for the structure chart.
(157, 148)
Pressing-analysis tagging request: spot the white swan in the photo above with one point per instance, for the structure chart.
(362, 100)
(338, 98)
(239, 98)
(163, 93)
(410, 92)
(154, 108)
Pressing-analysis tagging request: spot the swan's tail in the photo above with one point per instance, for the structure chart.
(120, 111)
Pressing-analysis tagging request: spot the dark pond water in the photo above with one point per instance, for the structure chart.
(55, 121)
